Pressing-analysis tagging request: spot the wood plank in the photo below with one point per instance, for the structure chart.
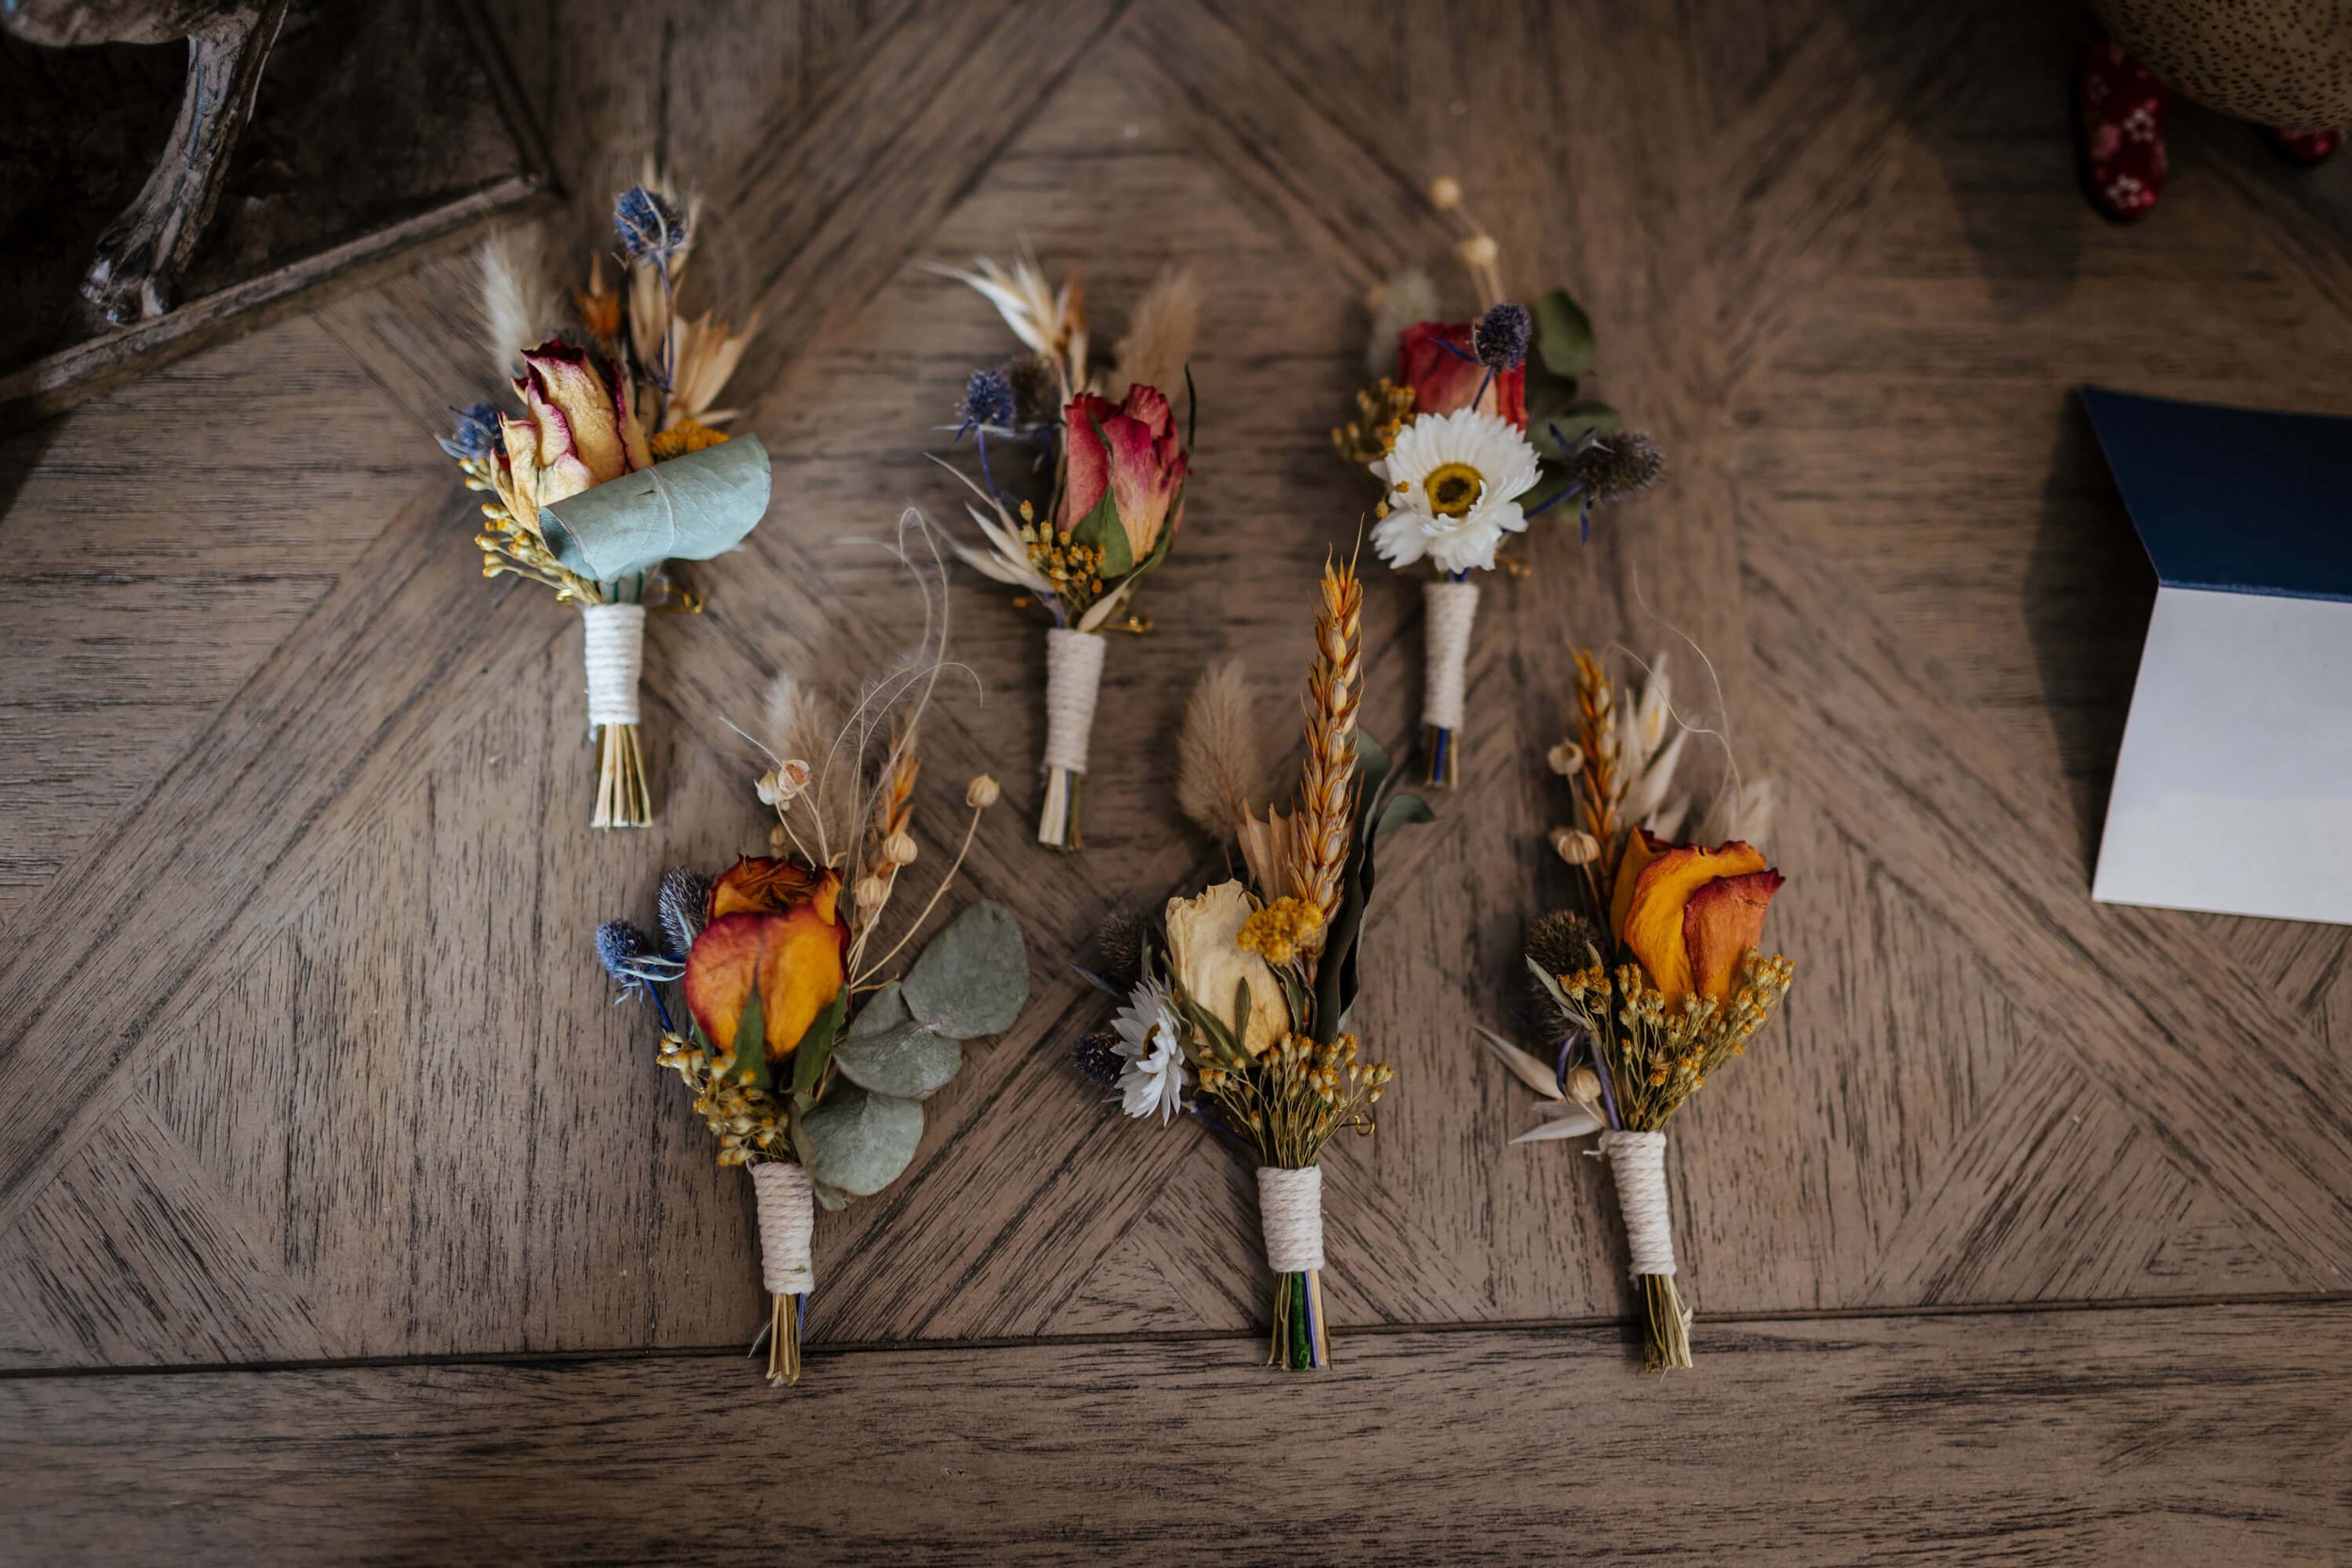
(2124, 1436)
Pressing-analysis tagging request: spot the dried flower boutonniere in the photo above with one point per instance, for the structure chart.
(1117, 470)
(809, 1048)
(1472, 428)
(614, 467)
(1655, 979)
(1240, 994)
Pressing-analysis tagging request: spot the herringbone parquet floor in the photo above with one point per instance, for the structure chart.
(309, 1087)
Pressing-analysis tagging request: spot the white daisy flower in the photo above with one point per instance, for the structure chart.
(1150, 1039)
(1454, 480)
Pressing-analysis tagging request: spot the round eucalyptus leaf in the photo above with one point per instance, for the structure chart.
(858, 1142)
(973, 977)
(884, 1011)
(908, 1060)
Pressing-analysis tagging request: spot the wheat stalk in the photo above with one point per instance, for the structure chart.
(1325, 820)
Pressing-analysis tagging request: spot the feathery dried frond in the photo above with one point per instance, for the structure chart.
(708, 352)
(894, 807)
(1406, 298)
(1324, 823)
(1160, 335)
(1217, 757)
(521, 305)
(1266, 849)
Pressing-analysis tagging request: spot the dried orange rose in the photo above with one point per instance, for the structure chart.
(1688, 915)
(774, 934)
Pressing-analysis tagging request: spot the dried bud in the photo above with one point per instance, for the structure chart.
(1575, 846)
(782, 784)
(780, 839)
(1479, 250)
(873, 892)
(981, 793)
(1567, 759)
(898, 848)
(1583, 1085)
(1445, 193)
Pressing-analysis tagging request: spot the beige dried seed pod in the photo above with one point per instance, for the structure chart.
(898, 848)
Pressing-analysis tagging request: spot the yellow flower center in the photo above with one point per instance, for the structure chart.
(1454, 489)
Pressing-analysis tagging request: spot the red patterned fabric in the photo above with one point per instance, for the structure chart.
(2306, 147)
(2120, 115)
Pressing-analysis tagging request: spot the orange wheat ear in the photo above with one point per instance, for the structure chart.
(1325, 819)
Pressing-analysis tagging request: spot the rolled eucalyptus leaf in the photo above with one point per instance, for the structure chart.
(907, 1060)
(858, 1142)
(973, 977)
(688, 509)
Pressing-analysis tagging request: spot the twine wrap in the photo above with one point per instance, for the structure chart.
(1290, 1206)
(615, 652)
(1449, 606)
(1073, 673)
(788, 1219)
(1637, 1160)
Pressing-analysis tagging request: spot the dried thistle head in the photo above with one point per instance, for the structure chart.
(1564, 942)
(1614, 467)
(1118, 945)
(684, 898)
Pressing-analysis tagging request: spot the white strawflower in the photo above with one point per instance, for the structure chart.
(1150, 1041)
(1454, 480)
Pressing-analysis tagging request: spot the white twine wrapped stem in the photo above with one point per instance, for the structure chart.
(1638, 1161)
(1073, 676)
(1290, 1208)
(615, 654)
(787, 1221)
(1449, 608)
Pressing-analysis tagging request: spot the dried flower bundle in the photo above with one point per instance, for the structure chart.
(1083, 542)
(1656, 980)
(1237, 999)
(614, 467)
(809, 1048)
(1481, 427)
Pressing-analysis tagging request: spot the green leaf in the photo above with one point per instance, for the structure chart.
(751, 1044)
(688, 509)
(831, 1196)
(907, 1060)
(884, 1011)
(1401, 810)
(816, 1047)
(859, 1142)
(1564, 334)
(973, 979)
(1545, 978)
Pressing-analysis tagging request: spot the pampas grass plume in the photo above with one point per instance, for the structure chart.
(1218, 761)
(1161, 335)
(521, 306)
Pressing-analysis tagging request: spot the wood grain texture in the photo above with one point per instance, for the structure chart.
(304, 1056)
(2132, 1437)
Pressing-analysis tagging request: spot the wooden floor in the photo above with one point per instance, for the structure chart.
(341, 1219)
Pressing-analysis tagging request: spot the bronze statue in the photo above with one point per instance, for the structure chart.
(143, 252)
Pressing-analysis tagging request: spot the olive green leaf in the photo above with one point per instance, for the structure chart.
(859, 1142)
(973, 977)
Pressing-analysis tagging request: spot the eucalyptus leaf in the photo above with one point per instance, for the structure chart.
(907, 1060)
(688, 509)
(884, 1011)
(829, 1195)
(816, 1047)
(859, 1142)
(1402, 810)
(973, 979)
(1564, 334)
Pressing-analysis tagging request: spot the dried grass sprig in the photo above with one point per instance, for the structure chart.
(1218, 761)
(521, 302)
(1325, 820)
(1159, 339)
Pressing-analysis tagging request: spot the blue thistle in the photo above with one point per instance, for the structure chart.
(1501, 337)
(988, 401)
(649, 225)
(629, 957)
(475, 436)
